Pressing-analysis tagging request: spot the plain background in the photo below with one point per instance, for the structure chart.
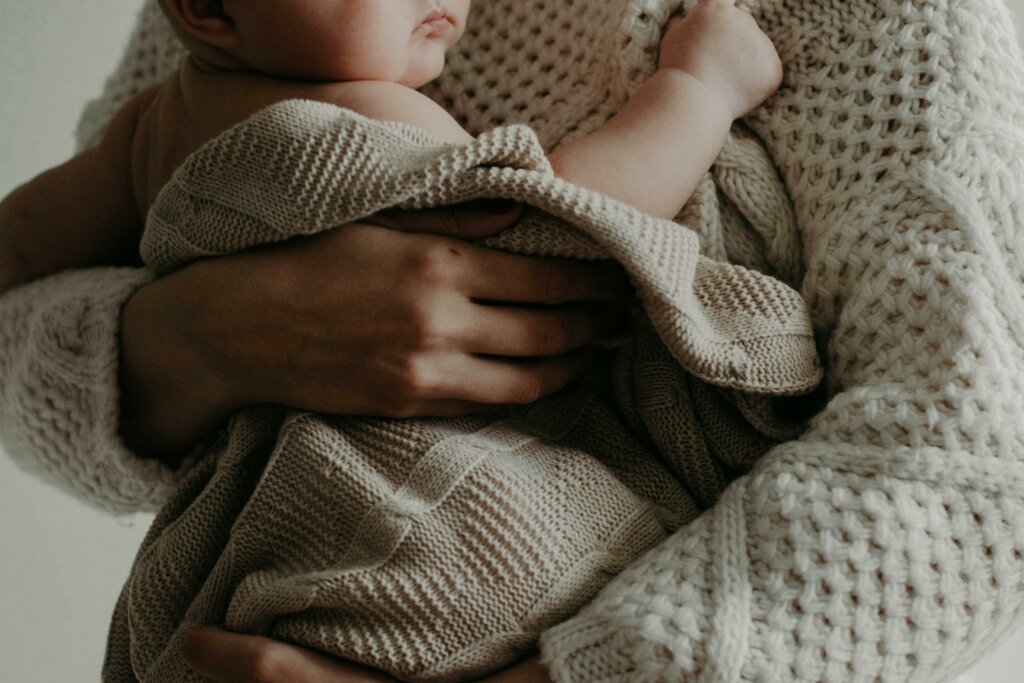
(62, 563)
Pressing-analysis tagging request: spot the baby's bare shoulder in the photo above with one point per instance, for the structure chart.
(219, 100)
(386, 101)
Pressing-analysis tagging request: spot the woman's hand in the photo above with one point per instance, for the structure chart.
(361, 320)
(233, 658)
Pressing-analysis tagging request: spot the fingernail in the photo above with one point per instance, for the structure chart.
(500, 206)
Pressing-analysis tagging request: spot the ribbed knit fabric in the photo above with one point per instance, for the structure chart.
(886, 543)
(361, 537)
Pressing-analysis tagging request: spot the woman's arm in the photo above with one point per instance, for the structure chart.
(405, 325)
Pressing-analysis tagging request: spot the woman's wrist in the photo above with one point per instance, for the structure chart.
(171, 395)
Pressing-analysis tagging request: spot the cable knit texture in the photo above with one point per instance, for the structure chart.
(886, 542)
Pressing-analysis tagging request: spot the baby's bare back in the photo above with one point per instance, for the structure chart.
(196, 105)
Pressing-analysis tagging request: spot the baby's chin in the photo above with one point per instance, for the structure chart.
(424, 72)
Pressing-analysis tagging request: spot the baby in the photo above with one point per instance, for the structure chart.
(369, 56)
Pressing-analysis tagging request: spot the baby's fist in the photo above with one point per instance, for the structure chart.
(722, 46)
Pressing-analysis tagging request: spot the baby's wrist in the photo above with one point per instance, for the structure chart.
(716, 97)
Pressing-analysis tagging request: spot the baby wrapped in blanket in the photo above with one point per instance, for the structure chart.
(434, 549)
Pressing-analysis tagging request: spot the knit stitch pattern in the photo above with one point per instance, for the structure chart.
(884, 544)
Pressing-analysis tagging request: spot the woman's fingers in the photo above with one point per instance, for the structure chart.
(536, 332)
(527, 671)
(489, 380)
(232, 658)
(226, 657)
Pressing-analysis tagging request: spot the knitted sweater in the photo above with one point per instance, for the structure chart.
(886, 541)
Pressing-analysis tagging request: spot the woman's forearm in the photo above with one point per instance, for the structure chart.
(171, 395)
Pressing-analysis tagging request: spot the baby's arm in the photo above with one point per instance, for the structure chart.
(80, 213)
(715, 66)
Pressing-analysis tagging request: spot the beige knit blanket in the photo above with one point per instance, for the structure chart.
(441, 549)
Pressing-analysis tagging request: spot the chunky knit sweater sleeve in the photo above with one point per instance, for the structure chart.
(59, 342)
(886, 543)
(59, 407)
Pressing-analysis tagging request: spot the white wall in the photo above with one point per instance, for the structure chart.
(61, 563)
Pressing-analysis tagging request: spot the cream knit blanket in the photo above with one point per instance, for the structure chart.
(885, 543)
(441, 549)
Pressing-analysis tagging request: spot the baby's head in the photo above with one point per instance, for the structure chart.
(401, 41)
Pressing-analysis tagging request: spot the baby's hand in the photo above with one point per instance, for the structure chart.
(721, 45)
